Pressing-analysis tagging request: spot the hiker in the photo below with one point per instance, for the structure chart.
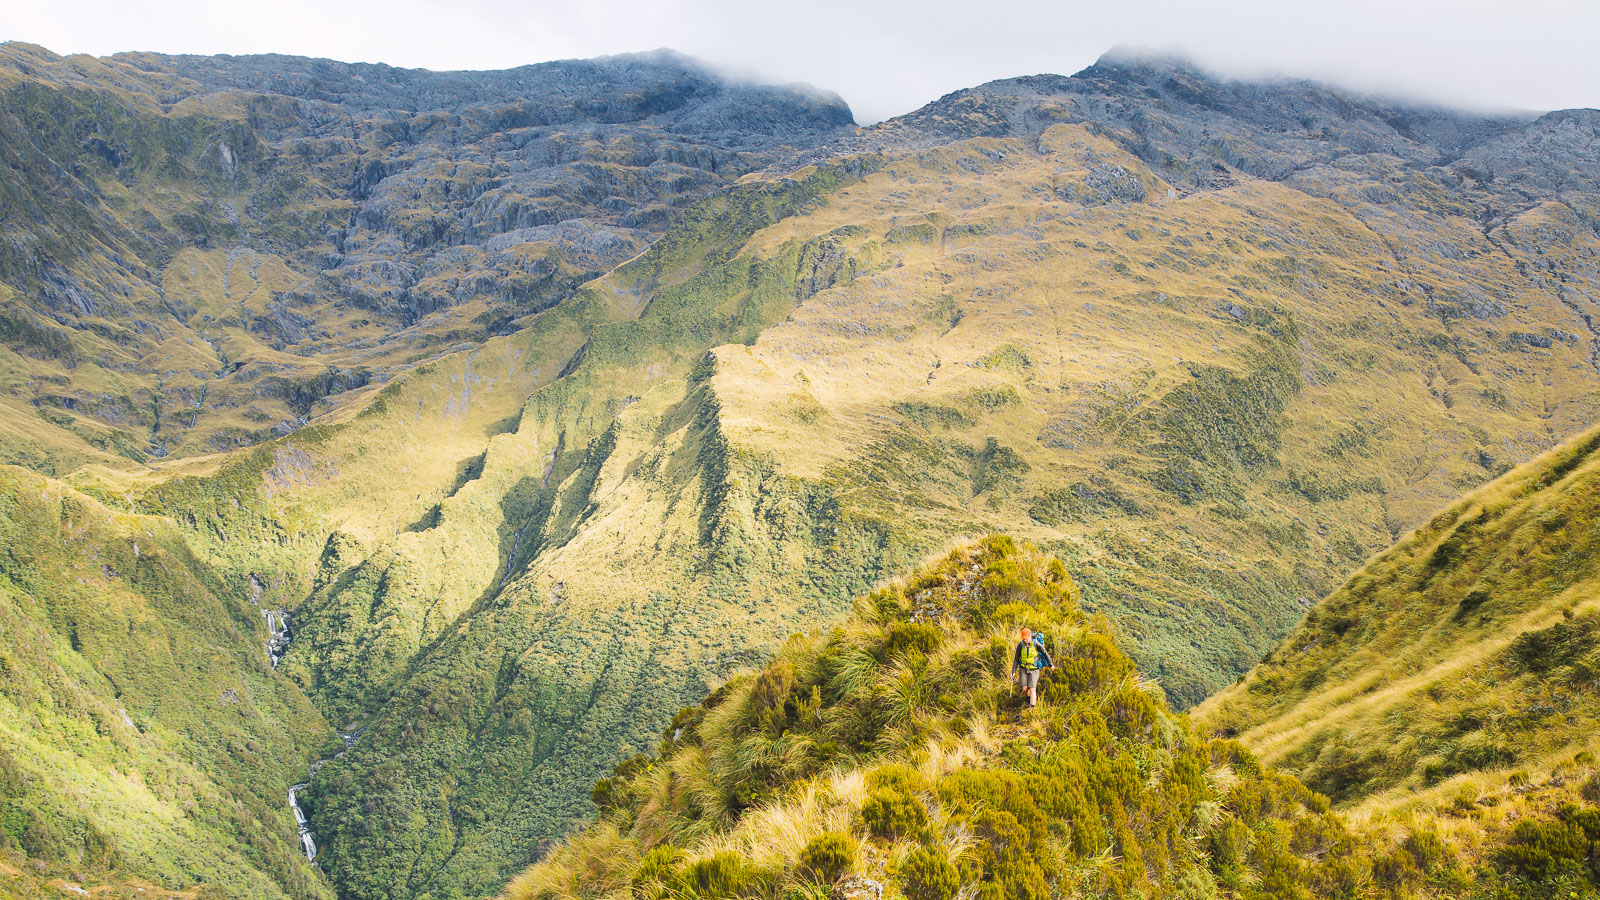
(1029, 658)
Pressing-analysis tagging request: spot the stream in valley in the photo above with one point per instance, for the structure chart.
(278, 637)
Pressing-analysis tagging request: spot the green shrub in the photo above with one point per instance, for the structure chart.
(1428, 850)
(1006, 855)
(828, 856)
(998, 656)
(1543, 851)
(659, 868)
(927, 875)
(1131, 712)
(725, 875)
(889, 604)
(1005, 581)
(1395, 869)
(1591, 789)
(1092, 661)
(683, 729)
(1543, 649)
(612, 793)
(1229, 844)
(1012, 614)
(891, 814)
(1470, 603)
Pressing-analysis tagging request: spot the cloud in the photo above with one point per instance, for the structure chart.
(890, 56)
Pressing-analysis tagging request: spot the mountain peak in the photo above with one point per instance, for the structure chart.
(1134, 57)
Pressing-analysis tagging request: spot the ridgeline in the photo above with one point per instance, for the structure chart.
(456, 430)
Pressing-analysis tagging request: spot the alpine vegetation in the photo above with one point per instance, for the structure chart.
(890, 756)
(389, 456)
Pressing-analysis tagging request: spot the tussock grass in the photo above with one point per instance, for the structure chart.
(939, 783)
(1452, 681)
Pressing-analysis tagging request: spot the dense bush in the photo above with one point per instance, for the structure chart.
(127, 657)
(725, 875)
(827, 856)
(910, 636)
(927, 875)
(1544, 649)
(897, 777)
(1543, 851)
(609, 793)
(1101, 789)
(889, 813)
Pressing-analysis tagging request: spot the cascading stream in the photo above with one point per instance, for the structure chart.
(278, 637)
(308, 841)
(277, 634)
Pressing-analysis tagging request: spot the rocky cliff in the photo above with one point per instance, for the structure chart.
(204, 252)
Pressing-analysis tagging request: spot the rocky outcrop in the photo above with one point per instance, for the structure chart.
(410, 210)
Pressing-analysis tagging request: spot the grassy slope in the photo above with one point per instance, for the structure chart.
(397, 468)
(142, 733)
(892, 748)
(650, 512)
(956, 362)
(595, 621)
(1455, 672)
(1214, 405)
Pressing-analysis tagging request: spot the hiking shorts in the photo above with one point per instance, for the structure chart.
(1029, 678)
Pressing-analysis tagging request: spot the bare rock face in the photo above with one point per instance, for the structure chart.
(856, 887)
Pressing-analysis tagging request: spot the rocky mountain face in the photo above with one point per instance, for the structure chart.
(616, 374)
(204, 252)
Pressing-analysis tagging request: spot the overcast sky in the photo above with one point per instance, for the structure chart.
(890, 56)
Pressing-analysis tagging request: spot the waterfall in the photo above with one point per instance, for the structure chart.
(308, 842)
(277, 634)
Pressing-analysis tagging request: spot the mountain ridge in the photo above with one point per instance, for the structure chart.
(891, 757)
(573, 423)
(289, 250)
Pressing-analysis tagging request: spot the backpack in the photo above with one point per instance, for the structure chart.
(1029, 656)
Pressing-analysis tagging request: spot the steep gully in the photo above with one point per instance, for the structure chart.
(278, 637)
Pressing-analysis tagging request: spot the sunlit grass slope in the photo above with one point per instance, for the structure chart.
(1216, 407)
(1215, 404)
(1456, 673)
(142, 733)
(892, 751)
(594, 611)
